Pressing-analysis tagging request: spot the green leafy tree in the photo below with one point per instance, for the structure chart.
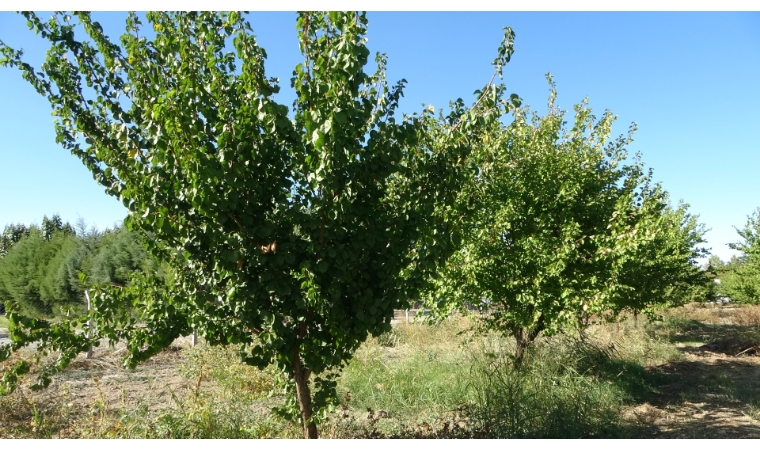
(12, 233)
(39, 298)
(663, 270)
(53, 225)
(740, 278)
(295, 235)
(549, 220)
(90, 243)
(714, 263)
(56, 287)
(50, 265)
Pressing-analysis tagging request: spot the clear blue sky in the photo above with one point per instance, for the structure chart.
(690, 81)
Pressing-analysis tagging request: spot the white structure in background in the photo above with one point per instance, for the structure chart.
(89, 324)
(721, 300)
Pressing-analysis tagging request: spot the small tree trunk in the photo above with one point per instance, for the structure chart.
(304, 396)
(194, 340)
(635, 318)
(524, 338)
(520, 348)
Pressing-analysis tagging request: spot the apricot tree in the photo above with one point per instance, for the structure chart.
(294, 232)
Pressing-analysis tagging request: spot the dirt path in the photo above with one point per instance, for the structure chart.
(154, 384)
(707, 395)
(91, 387)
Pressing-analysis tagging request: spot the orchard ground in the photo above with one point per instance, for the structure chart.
(693, 374)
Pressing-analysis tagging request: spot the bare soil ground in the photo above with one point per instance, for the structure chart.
(714, 391)
(95, 387)
(102, 377)
(695, 406)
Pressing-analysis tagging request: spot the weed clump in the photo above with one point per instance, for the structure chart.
(223, 367)
(552, 394)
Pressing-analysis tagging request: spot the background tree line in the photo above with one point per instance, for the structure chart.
(45, 268)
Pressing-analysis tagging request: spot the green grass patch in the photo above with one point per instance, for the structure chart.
(567, 387)
(4, 322)
(222, 366)
(417, 384)
(415, 371)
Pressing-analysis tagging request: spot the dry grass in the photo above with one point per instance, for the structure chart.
(179, 393)
(748, 316)
(684, 376)
(83, 400)
(715, 386)
(635, 341)
(741, 315)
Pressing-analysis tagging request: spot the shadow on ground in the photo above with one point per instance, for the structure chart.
(729, 339)
(707, 398)
(713, 393)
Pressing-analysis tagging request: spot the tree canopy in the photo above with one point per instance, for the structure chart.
(740, 277)
(31, 256)
(295, 232)
(663, 271)
(555, 222)
(12, 233)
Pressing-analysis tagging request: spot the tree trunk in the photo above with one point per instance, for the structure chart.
(523, 338)
(522, 344)
(304, 396)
